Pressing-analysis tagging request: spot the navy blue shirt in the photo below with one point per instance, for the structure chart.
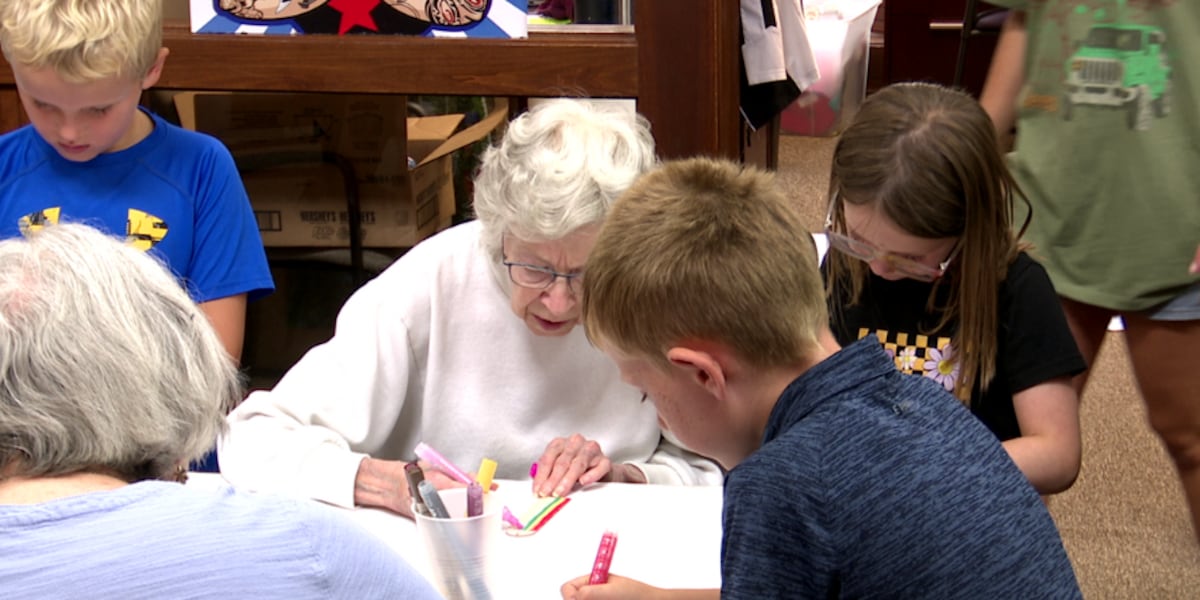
(870, 482)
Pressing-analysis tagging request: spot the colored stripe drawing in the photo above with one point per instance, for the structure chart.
(541, 512)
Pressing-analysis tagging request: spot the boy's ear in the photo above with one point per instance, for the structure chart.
(155, 71)
(703, 367)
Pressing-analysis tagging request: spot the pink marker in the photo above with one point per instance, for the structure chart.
(608, 545)
(533, 470)
(510, 518)
(431, 456)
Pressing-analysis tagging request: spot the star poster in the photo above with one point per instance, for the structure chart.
(428, 18)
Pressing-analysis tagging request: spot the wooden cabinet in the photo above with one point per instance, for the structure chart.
(680, 62)
(921, 40)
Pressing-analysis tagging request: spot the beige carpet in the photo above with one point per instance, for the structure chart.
(1124, 523)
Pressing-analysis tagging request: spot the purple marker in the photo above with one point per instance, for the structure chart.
(474, 499)
(432, 457)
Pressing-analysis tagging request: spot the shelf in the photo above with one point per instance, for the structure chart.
(547, 63)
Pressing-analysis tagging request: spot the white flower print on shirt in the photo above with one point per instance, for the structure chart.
(907, 360)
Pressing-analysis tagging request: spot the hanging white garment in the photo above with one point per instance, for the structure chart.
(775, 43)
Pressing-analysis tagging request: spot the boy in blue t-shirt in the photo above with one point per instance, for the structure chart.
(92, 154)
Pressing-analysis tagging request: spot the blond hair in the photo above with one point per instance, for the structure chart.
(704, 249)
(83, 40)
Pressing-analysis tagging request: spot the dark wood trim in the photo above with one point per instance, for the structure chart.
(595, 64)
(12, 115)
(921, 41)
(688, 75)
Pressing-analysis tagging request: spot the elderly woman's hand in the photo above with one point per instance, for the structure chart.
(577, 461)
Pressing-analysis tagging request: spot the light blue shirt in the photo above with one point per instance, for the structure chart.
(164, 540)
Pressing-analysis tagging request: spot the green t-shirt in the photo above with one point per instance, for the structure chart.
(1108, 146)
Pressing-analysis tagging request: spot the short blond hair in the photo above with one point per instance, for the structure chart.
(83, 40)
(704, 249)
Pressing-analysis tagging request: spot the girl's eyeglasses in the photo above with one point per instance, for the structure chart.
(867, 252)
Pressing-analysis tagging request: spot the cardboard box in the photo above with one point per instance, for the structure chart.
(302, 156)
(481, 18)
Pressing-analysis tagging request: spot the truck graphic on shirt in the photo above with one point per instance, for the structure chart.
(1120, 66)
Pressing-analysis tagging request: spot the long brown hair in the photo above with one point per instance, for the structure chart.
(926, 157)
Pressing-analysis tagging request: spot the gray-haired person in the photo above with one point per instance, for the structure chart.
(469, 343)
(111, 380)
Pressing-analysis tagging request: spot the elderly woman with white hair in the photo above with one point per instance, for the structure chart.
(111, 380)
(469, 343)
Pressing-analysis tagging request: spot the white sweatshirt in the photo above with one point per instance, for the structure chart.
(430, 351)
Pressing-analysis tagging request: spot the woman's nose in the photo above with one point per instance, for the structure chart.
(558, 297)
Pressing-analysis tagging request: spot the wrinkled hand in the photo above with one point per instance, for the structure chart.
(617, 587)
(382, 484)
(570, 462)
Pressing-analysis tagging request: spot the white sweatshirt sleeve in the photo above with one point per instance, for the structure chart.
(671, 464)
(339, 403)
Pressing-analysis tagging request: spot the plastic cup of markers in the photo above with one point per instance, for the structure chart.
(460, 550)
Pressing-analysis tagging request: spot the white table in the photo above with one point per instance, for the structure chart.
(668, 536)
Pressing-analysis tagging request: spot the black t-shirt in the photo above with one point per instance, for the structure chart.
(1034, 341)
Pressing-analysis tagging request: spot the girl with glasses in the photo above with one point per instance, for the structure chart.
(923, 256)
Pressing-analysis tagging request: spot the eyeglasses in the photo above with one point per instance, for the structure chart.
(540, 278)
(867, 252)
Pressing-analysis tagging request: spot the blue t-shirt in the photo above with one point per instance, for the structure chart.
(176, 193)
(873, 483)
(157, 539)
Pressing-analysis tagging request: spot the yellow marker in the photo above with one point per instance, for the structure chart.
(487, 469)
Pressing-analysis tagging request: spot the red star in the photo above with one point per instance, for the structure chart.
(355, 12)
